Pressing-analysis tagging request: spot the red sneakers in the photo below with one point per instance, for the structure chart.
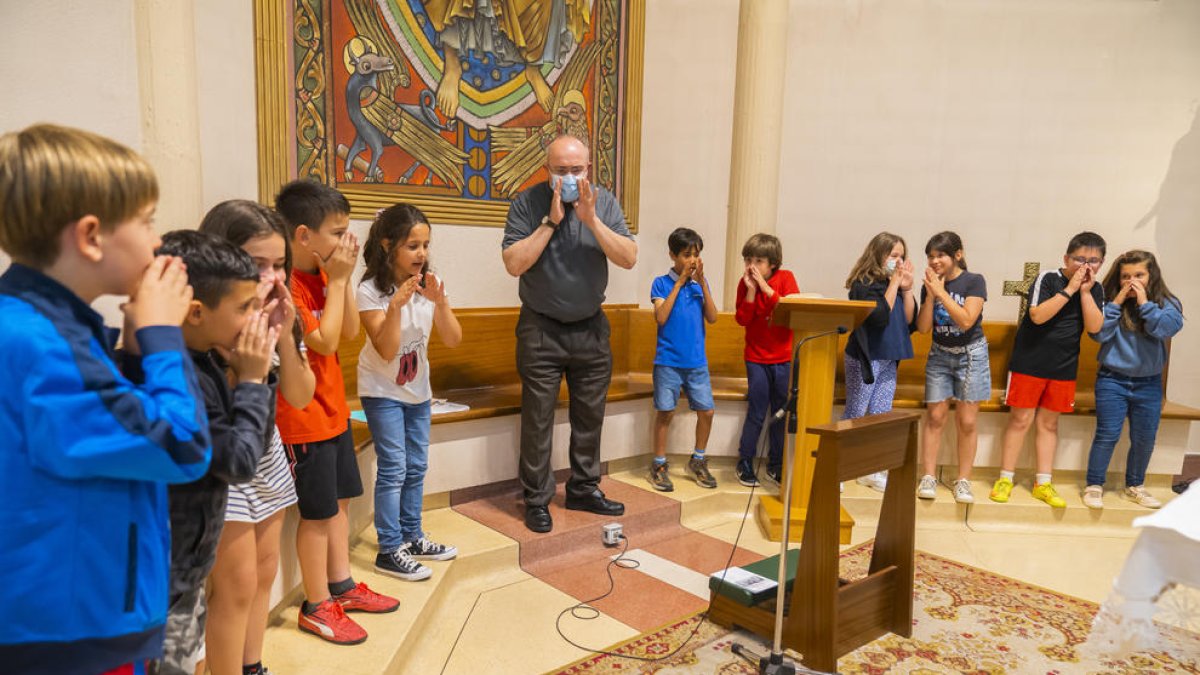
(329, 622)
(363, 599)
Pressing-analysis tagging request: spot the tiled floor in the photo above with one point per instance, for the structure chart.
(499, 608)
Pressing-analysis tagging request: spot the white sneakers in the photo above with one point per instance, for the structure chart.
(1093, 496)
(961, 489)
(875, 481)
(928, 487)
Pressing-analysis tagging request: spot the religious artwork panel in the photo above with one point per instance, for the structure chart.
(450, 104)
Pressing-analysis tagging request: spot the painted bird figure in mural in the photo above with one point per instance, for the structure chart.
(526, 147)
(366, 66)
(378, 119)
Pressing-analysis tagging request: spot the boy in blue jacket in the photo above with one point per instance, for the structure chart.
(87, 453)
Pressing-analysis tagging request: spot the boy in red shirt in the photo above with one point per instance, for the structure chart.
(768, 350)
(317, 437)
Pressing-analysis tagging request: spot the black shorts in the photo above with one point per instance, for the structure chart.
(325, 471)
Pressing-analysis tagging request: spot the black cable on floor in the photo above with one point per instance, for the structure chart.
(621, 561)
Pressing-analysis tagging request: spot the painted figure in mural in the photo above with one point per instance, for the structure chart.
(378, 119)
(363, 60)
(532, 32)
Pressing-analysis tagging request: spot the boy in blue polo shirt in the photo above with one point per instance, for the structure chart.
(682, 303)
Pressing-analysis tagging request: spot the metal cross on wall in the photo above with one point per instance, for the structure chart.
(1022, 287)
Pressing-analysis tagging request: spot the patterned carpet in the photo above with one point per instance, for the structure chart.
(966, 620)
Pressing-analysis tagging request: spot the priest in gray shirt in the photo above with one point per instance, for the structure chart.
(558, 239)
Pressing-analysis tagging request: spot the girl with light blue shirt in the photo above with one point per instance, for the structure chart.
(1141, 317)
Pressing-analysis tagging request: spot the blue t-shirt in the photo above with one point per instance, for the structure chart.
(681, 338)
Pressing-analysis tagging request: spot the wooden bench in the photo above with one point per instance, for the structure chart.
(481, 372)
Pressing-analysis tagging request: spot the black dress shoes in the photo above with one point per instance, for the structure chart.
(595, 503)
(537, 518)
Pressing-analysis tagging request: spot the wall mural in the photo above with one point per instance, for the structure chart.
(449, 104)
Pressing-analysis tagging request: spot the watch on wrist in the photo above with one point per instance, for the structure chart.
(1065, 294)
(549, 223)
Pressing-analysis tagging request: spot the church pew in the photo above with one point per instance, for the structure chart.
(481, 372)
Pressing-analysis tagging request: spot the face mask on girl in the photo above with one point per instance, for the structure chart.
(891, 264)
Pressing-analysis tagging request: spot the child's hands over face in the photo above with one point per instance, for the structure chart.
(1076, 280)
(698, 272)
(933, 283)
(1123, 294)
(1138, 290)
(404, 291)
(340, 263)
(905, 271)
(162, 298)
(250, 359)
(434, 290)
(759, 279)
(1089, 280)
(283, 314)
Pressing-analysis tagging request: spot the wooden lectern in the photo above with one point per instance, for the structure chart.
(827, 618)
(818, 367)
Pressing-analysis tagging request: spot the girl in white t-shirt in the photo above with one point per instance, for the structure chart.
(400, 301)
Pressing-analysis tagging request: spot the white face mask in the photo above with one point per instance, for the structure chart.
(891, 264)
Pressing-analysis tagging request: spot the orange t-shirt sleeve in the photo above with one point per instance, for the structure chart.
(304, 309)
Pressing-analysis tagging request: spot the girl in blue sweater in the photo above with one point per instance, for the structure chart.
(1142, 315)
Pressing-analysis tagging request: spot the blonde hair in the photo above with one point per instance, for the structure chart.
(870, 266)
(51, 176)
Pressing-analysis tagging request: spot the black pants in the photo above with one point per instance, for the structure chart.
(546, 351)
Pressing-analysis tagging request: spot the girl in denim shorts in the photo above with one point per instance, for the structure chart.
(957, 368)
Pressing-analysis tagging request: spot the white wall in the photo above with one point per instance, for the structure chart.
(1015, 123)
(225, 78)
(70, 63)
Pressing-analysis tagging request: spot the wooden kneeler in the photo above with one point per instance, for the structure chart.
(826, 619)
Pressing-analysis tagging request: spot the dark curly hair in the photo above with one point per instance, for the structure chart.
(389, 231)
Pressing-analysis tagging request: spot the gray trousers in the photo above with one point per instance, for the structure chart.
(546, 351)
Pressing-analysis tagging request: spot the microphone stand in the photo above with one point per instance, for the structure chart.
(776, 663)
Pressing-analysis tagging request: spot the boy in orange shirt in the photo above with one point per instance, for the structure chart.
(317, 437)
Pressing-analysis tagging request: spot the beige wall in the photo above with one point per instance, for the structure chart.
(1016, 122)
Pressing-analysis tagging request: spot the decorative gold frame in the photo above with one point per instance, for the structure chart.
(275, 93)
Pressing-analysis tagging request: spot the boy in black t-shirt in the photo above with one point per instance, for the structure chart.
(1045, 359)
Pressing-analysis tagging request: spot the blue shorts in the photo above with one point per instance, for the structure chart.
(668, 380)
(961, 373)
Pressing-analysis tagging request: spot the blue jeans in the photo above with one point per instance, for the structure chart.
(768, 391)
(1117, 397)
(401, 435)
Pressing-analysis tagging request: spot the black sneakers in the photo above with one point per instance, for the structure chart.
(774, 475)
(745, 473)
(401, 565)
(424, 549)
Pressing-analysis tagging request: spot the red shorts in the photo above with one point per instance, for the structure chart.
(1027, 391)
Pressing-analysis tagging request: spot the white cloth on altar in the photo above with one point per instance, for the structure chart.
(1167, 552)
